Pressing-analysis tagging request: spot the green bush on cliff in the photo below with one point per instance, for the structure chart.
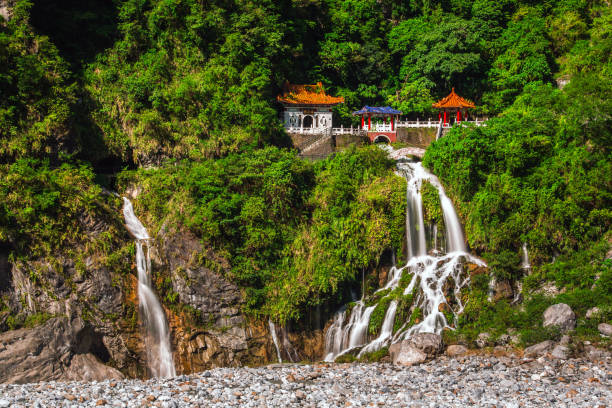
(41, 205)
(294, 233)
(432, 208)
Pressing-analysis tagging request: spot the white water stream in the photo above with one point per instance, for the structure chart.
(156, 331)
(525, 258)
(429, 275)
(272, 328)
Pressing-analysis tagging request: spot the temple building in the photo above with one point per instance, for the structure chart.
(307, 108)
(451, 105)
(384, 127)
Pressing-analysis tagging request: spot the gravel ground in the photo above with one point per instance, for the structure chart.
(445, 382)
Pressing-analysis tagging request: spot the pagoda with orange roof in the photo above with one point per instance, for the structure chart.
(453, 103)
(307, 108)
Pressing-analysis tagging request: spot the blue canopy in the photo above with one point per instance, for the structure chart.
(377, 110)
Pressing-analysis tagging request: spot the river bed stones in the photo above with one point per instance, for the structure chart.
(444, 382)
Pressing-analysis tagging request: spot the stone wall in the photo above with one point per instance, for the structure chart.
(320, 146)
(301, 141)
(343, 141)
(420, 137)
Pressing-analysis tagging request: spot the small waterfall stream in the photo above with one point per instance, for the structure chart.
(156, 331)
(430, 273)
(272, 328)
(525, 258)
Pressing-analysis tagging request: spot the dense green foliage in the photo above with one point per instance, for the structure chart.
(35, 106)
(185, 79)
(189, 86)
(541, 174)
(295, 234)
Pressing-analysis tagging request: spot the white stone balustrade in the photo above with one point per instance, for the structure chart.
(382, 127)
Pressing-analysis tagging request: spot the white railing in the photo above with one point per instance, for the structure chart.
(417, 124)
(382, 127)
(379, 127)
(434, 124)
(473, 122)
(347, 131)
(307, 130)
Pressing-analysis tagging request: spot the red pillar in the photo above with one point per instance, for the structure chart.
(444, 118)
(458, 115)
(362, 121)
(392, 123)
(439, 116)
(369, 122)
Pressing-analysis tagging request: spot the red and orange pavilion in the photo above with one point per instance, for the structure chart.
(453, 103)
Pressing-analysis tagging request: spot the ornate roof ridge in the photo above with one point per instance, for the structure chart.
(307, 94)
(454, 101)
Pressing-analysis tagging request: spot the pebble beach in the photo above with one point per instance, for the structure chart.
(445, 382)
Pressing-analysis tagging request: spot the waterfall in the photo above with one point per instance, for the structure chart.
(156, 331)
(385, 331)
(429, 275)
(275, 339)
(525, 258)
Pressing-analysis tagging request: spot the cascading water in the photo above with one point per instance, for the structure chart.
(429, 275)
(526, 266)
(156, 331)
(525, 258)
(272, 328)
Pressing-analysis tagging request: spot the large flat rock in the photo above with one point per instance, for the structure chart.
(58, 350)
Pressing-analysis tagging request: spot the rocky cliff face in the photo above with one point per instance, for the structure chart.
(219, 334)
(79, 319)
(60, 349)
(82, 290)
(6, 7)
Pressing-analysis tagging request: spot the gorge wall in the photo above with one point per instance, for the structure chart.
(75, 316)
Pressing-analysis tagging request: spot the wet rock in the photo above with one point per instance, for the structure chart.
(605, 329)
(483, 340)
(560, 315)
(456, 350)
(428, 343)
(592, 312)
(539, 349)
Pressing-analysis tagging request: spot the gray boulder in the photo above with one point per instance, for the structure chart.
(560, 315)
(456, 350)
(416, 350)
(405, 354)
(428, 343)
(605, 329)
(86, 367)
(560, 351)
(539, 349)
(483, 340)
(592, 312)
